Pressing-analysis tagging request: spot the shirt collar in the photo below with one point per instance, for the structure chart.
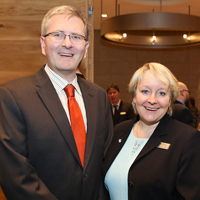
(180, 102)
(117, 104)
(60, 83)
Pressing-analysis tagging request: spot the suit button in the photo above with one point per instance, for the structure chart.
(85, 174)
(130, 184)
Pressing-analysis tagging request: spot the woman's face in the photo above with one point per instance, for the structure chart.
(152, 99)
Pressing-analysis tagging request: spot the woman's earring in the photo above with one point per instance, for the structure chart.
(133, 105)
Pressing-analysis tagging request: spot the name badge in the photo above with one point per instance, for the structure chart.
(122, 113)
(164, 145)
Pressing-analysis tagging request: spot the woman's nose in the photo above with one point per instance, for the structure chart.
(152, 98)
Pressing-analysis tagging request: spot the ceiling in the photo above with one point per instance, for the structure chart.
(138, 6)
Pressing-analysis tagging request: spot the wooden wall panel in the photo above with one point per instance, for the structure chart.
(20, 30)
(20, 22)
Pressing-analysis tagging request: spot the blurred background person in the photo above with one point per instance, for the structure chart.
(194, 110)
(180, 106)
(153, 156)
(121, 110)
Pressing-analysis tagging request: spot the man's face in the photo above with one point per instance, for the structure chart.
(64, 56)
(113, 96)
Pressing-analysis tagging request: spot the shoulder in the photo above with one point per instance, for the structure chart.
(179, 106)
(176, 129)
(90, 86)
(184, 137)
(124, 126)
(26, 81)
(126, 105)
(19, 83)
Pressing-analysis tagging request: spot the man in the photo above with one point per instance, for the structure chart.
(180, 111)
(40, 157)
(121, 110)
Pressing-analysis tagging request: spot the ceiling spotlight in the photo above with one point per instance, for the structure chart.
(185, 36)
(154, 38)
(169, 27)
(153, 41)
(124, 35)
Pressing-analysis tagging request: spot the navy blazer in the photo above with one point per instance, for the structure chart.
(182, 114)
(125, 112)
(38, 155)
(159, 172)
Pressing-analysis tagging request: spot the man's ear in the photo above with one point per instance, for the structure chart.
(42, 43)
(181, 92)
(86, 48)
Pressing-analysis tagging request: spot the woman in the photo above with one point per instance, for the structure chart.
(153, 157)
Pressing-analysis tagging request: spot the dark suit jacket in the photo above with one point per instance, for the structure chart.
(38, 155)
(125, 113)
(182, 114)
(159, 173)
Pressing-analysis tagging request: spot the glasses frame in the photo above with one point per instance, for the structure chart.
(187, 91)
(70, 35)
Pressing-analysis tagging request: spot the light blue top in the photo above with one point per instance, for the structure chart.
(116, 179)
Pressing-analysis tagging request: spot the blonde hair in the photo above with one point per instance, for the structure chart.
(162, 74)
(70, 11)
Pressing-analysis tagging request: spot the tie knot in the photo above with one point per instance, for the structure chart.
(69, 90)
(115, 106)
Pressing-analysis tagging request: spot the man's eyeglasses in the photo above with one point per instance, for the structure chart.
(60, 36)
(187, 91)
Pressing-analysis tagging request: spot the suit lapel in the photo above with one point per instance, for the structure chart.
(91, 122)
(155, 139)
(153, 142)
(116, 145)
(50, 98)
(162, 129)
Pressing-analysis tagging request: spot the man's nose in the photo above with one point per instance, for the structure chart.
(67, 41)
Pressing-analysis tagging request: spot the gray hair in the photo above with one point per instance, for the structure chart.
(66, 10)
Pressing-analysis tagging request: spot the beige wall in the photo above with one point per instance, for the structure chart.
(116, 65)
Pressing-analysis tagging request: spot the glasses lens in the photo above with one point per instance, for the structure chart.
(77, 38)
(57, 36)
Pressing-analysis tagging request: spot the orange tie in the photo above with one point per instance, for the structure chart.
(77, 123)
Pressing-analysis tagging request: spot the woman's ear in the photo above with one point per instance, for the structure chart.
(134, 99)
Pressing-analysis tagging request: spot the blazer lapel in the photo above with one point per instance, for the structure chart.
(116, 145)
(155, 139)
(50, 98)
(119, 140)
(91, 122)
